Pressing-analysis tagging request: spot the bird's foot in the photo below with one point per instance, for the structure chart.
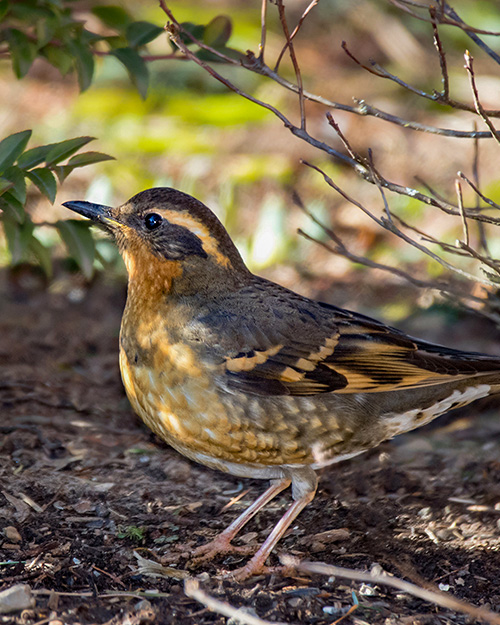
(220, 545)
(252, 568)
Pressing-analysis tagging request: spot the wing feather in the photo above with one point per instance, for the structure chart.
(288, 345)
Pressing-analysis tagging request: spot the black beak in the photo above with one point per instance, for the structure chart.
(95, 212)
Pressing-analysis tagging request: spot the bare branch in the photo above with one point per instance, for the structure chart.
(179, 28)
(311, 6)
(492, 264)
(293, 57)
(377, 70)
(442, 56)
(356, 157)
(192, 589)
(478, 192)
(472, 33)
(299, 132)
(364, 109)
(436, 597)
(475, 173)
(263, 32)
(389, 225)
(341, 250)
(469, 66)
(441, 17)
(458, 190)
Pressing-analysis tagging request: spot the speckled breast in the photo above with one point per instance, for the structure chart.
(179, 398)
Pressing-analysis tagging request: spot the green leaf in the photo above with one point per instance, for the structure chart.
(23, 51)
(84, 62)
(42, 254)
(18, 238)
(58, 57)
(62, 172)
(45, 180)
(12, 147)
(136, 67)
(5, 185)
(4, 7)
(64, 149)
(29, 12)
(113, 16)
(116, 42)
(45, 30)
(80, 243)
(89, 158)
(16, 175)
(196, 30)
(33, 157)
(217, 32)
(206, 55)
(141, 33)
(12, 207)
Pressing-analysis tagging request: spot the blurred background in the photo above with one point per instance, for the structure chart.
(192, 133)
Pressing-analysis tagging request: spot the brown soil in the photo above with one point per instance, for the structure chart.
(85, 485)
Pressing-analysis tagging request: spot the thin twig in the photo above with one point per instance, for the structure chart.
(364, 109)
(263, 30)
(293, 58)
(356, 157)
(469, 66)
(432, 191)
(299, 132)
(432, 596)
(378, 178)
(442, 56)
(302, 134)
(193, 591)
(472, 33)
(483, 241)
(487, 261)
(379, 71)
(187, 33)
(442, 17)
(311, 6)
(391, 227)
(465, 226)
(342, 250)
(488, 201)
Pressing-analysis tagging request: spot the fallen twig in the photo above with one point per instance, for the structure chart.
(193, 590)
(432, 596)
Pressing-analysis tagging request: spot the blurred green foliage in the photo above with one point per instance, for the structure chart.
(54, 30)
(42, 166)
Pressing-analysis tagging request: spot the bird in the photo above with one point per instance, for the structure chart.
(248, 377)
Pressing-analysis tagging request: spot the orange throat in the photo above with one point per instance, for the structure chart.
(150, 278)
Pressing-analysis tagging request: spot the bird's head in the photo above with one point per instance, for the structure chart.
(164, 234)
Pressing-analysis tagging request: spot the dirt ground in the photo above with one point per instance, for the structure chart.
(84, 485)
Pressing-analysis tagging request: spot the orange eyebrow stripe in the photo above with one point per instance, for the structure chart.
(200, 230)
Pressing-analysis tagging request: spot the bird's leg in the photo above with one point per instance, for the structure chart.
(222, 543)
(304, 484)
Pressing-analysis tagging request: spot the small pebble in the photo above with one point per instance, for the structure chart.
(16, 598)
(12, 534)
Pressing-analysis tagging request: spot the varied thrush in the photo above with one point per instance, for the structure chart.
(248, 377)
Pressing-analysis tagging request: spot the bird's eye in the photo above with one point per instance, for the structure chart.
(152, 221)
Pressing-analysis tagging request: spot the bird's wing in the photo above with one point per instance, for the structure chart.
(300, 347)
